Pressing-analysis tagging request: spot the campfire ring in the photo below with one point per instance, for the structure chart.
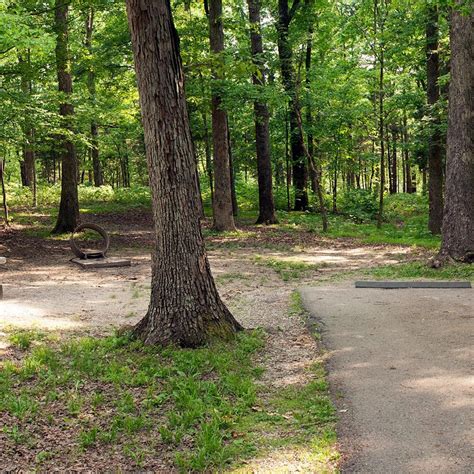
(84, 254)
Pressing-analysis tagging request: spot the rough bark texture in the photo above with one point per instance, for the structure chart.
(266, 213)
(96, 165)
(222, 204)
(299, 172)
(435, 162)
(458, 223)
(68, 217)
(185, 307)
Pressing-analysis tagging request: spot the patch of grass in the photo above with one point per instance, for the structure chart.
(24, 338)
(415, 270)
(115, 393)
(14, 433)
(114, 390)
(286, 269)
(296, 304)
(300, 418)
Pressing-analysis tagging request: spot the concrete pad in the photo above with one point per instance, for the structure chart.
(401, 369)
(107, 262)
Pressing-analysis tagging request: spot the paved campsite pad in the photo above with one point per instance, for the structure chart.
(401, 369)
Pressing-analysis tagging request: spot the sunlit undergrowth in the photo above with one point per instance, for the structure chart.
(195, 409)
(285, 268)
(420, 269)
(405, 221)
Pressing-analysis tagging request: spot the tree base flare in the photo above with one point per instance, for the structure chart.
(162, 329)
(443, 259)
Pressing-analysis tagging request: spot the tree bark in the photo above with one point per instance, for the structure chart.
(435, 164)
(394, 184)
(4, 193)
(94, 129)
(266, 213)
(185, 308)
(222, 205)
(68, 216)
(458, 223)
(408, 177)
(28, 151)
(381, 92)
(299, 172)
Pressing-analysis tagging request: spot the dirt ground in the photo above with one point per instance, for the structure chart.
(43, 290)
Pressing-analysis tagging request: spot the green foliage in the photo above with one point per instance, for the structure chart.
(417, 270)
(359, 205)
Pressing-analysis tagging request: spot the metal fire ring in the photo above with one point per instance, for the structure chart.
(94, 253)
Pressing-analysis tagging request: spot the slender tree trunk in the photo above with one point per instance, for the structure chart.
(381, 113)
(408, 176)
(68, 216)
(94, 129)
(334, 185)
(28, 162)
(223, 208)
(207, 149)
(287, 161)
(266, 205)
(4, 193)
(458, 223)
(285, 52)
(435, 164)
(394, 163)
(185, 308)
(309, 112)
(309, 150)
(235, 206)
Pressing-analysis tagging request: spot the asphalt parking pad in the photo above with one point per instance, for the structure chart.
(401, 370)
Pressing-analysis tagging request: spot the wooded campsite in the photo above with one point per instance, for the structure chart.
(250, 177)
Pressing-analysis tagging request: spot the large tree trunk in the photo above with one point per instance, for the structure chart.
(266, 213)
(222, 205)
(285, 53)
(96, 165)
(185, 307)
(458, 223)
(435, 162)
(68, 216)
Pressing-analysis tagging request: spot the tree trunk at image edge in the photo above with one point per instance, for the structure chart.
(262, 132)
(185, 307)
(285, 15)
(458, 223)
(435, 162)
(68, 216)
(222, 204)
